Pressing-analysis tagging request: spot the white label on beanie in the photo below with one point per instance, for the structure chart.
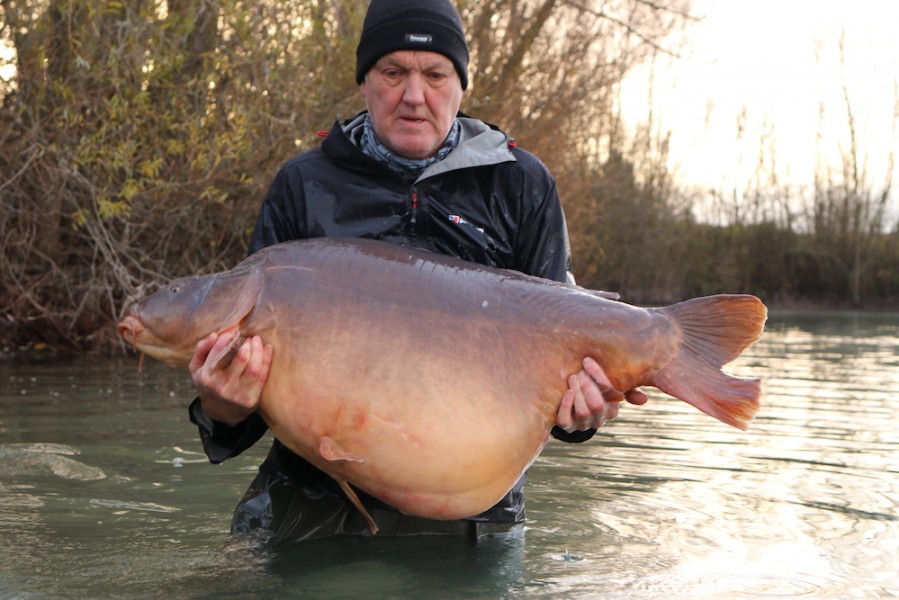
(419, 38)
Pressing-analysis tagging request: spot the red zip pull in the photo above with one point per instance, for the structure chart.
(414, 200)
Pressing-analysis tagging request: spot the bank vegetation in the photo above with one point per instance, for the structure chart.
(138, 137)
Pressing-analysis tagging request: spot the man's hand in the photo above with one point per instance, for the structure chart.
(583, 406)
(231, 393)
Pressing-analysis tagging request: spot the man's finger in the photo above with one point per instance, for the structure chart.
(636, 397)
(240, 358)
(596, 372)
(592, 392)
(204, 347)
(563, 419)
(255, 357)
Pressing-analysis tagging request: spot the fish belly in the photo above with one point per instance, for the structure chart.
(430, 388)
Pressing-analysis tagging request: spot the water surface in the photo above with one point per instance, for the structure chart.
(104, 493)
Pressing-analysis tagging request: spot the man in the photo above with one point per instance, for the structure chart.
(410, 170)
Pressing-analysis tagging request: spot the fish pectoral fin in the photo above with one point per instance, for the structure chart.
(345, 486)
(223, 357)
(331, 450)
(247, 297)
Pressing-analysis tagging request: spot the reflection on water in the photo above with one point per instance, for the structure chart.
(103, 493)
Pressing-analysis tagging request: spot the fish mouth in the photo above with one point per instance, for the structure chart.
(144, 341)
(129, 329)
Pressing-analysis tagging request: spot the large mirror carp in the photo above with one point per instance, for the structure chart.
(430, 382)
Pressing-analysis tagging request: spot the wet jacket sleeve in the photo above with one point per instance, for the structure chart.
(544, 250)
(220, 441)
(277, 222)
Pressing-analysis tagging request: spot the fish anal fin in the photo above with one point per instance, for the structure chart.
(331, 450)
(715, 330)
(345, 486)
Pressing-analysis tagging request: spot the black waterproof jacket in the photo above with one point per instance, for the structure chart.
(488, 202)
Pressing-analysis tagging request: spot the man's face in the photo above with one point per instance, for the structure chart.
(412, 99)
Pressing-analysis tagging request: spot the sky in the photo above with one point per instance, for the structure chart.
(778, 62)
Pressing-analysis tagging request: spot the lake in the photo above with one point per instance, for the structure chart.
(104, 493)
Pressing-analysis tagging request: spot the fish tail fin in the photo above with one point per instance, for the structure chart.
(715, 330)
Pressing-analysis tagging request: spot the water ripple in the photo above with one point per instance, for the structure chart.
(665, 503)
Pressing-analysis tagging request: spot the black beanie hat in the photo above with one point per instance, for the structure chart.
(431, 25)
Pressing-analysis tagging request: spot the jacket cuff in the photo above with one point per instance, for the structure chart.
(575, 437)
(220, 441)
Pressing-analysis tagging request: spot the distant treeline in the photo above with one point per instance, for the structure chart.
(837, 251)
(137, 141)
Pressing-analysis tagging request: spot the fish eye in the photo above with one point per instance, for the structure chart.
(176, 289)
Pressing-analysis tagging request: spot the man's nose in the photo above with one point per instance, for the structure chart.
(414, 92)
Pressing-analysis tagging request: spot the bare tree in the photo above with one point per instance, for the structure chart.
(139, 137)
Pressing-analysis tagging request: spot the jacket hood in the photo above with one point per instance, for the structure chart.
(480, 144)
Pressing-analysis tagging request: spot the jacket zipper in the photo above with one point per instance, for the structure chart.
(414, 199)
